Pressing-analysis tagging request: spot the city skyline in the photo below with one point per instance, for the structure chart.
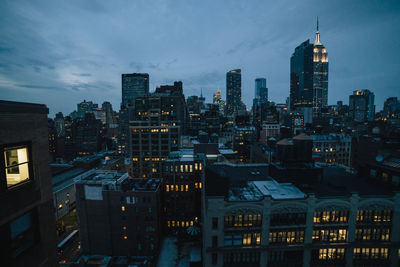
(100, 41)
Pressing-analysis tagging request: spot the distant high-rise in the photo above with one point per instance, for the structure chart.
(261, 91)
(361, 106)
(233, 91)
(85, 106)
(134, 85)
(217, 97)
(309, 75)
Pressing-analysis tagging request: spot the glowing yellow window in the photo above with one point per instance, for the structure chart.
(187, 188)
(196, 185)
(196, 166)
(176, 188)
(200, 185)
(125, 237)
(187, 224)
(183, 224)
(191, 223)
(167, 188)
(200, 167)
(16, 165)
(169, 223)
(196, 219)
(123, 208)
(177, 223)
(173, 223)
(124, 227)
(181, 168)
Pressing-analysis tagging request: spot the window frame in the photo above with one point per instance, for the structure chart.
(3, 175)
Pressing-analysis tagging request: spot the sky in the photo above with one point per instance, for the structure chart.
(61, 52)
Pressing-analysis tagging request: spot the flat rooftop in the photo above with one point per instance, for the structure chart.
(257, 190)
(103, 177)
(22, 107)
(142, 184)
(338, 182)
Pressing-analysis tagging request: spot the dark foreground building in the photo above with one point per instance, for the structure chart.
(27, 223)
(118, 216)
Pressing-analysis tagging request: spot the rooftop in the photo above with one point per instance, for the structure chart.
(103, 177)
(141, 184)
(22, 107)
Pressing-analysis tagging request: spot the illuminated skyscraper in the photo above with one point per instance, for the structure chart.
(309, 75)
(233, 91)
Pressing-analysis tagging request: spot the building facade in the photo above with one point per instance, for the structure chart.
(233, 91)
(332, 148)
(134, 85)
(261, 90)
(257, 221)
(361, 106)
(159, 121)
(27, 222)
(118, 216)
(182, 175)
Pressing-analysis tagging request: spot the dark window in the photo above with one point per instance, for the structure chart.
(23, 233)
(214, 258)
(215, 222)
(215, 241)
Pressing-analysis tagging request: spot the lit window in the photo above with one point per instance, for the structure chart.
(187, 188)
(167, 188)
(200, 185)
(186, 168)
(123, 208)
(16, 165)
(60, 206)
(125, 237)
(181, 168)
(196, 185)
(124, 227)
(181, 187)
(191, 167)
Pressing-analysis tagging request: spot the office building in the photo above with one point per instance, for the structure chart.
(119, 216)
(182, 176)
(159, 120)
(27, 222)
(85, 106)
(332, 148)
(251, 219)
(243, 140)
(361, 106)
(309, 76)
(261, 91)
(134, 85)
(233, 91)
(391, 108)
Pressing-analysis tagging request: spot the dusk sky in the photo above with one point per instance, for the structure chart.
(61, 52)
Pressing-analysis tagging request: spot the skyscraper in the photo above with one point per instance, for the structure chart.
(361, 106)
(134, 85)
(261, 90)
(309, 75)
(233, 90)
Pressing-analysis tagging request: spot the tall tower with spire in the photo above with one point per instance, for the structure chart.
(309, 76)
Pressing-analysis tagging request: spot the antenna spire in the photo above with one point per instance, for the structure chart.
(317, 24)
